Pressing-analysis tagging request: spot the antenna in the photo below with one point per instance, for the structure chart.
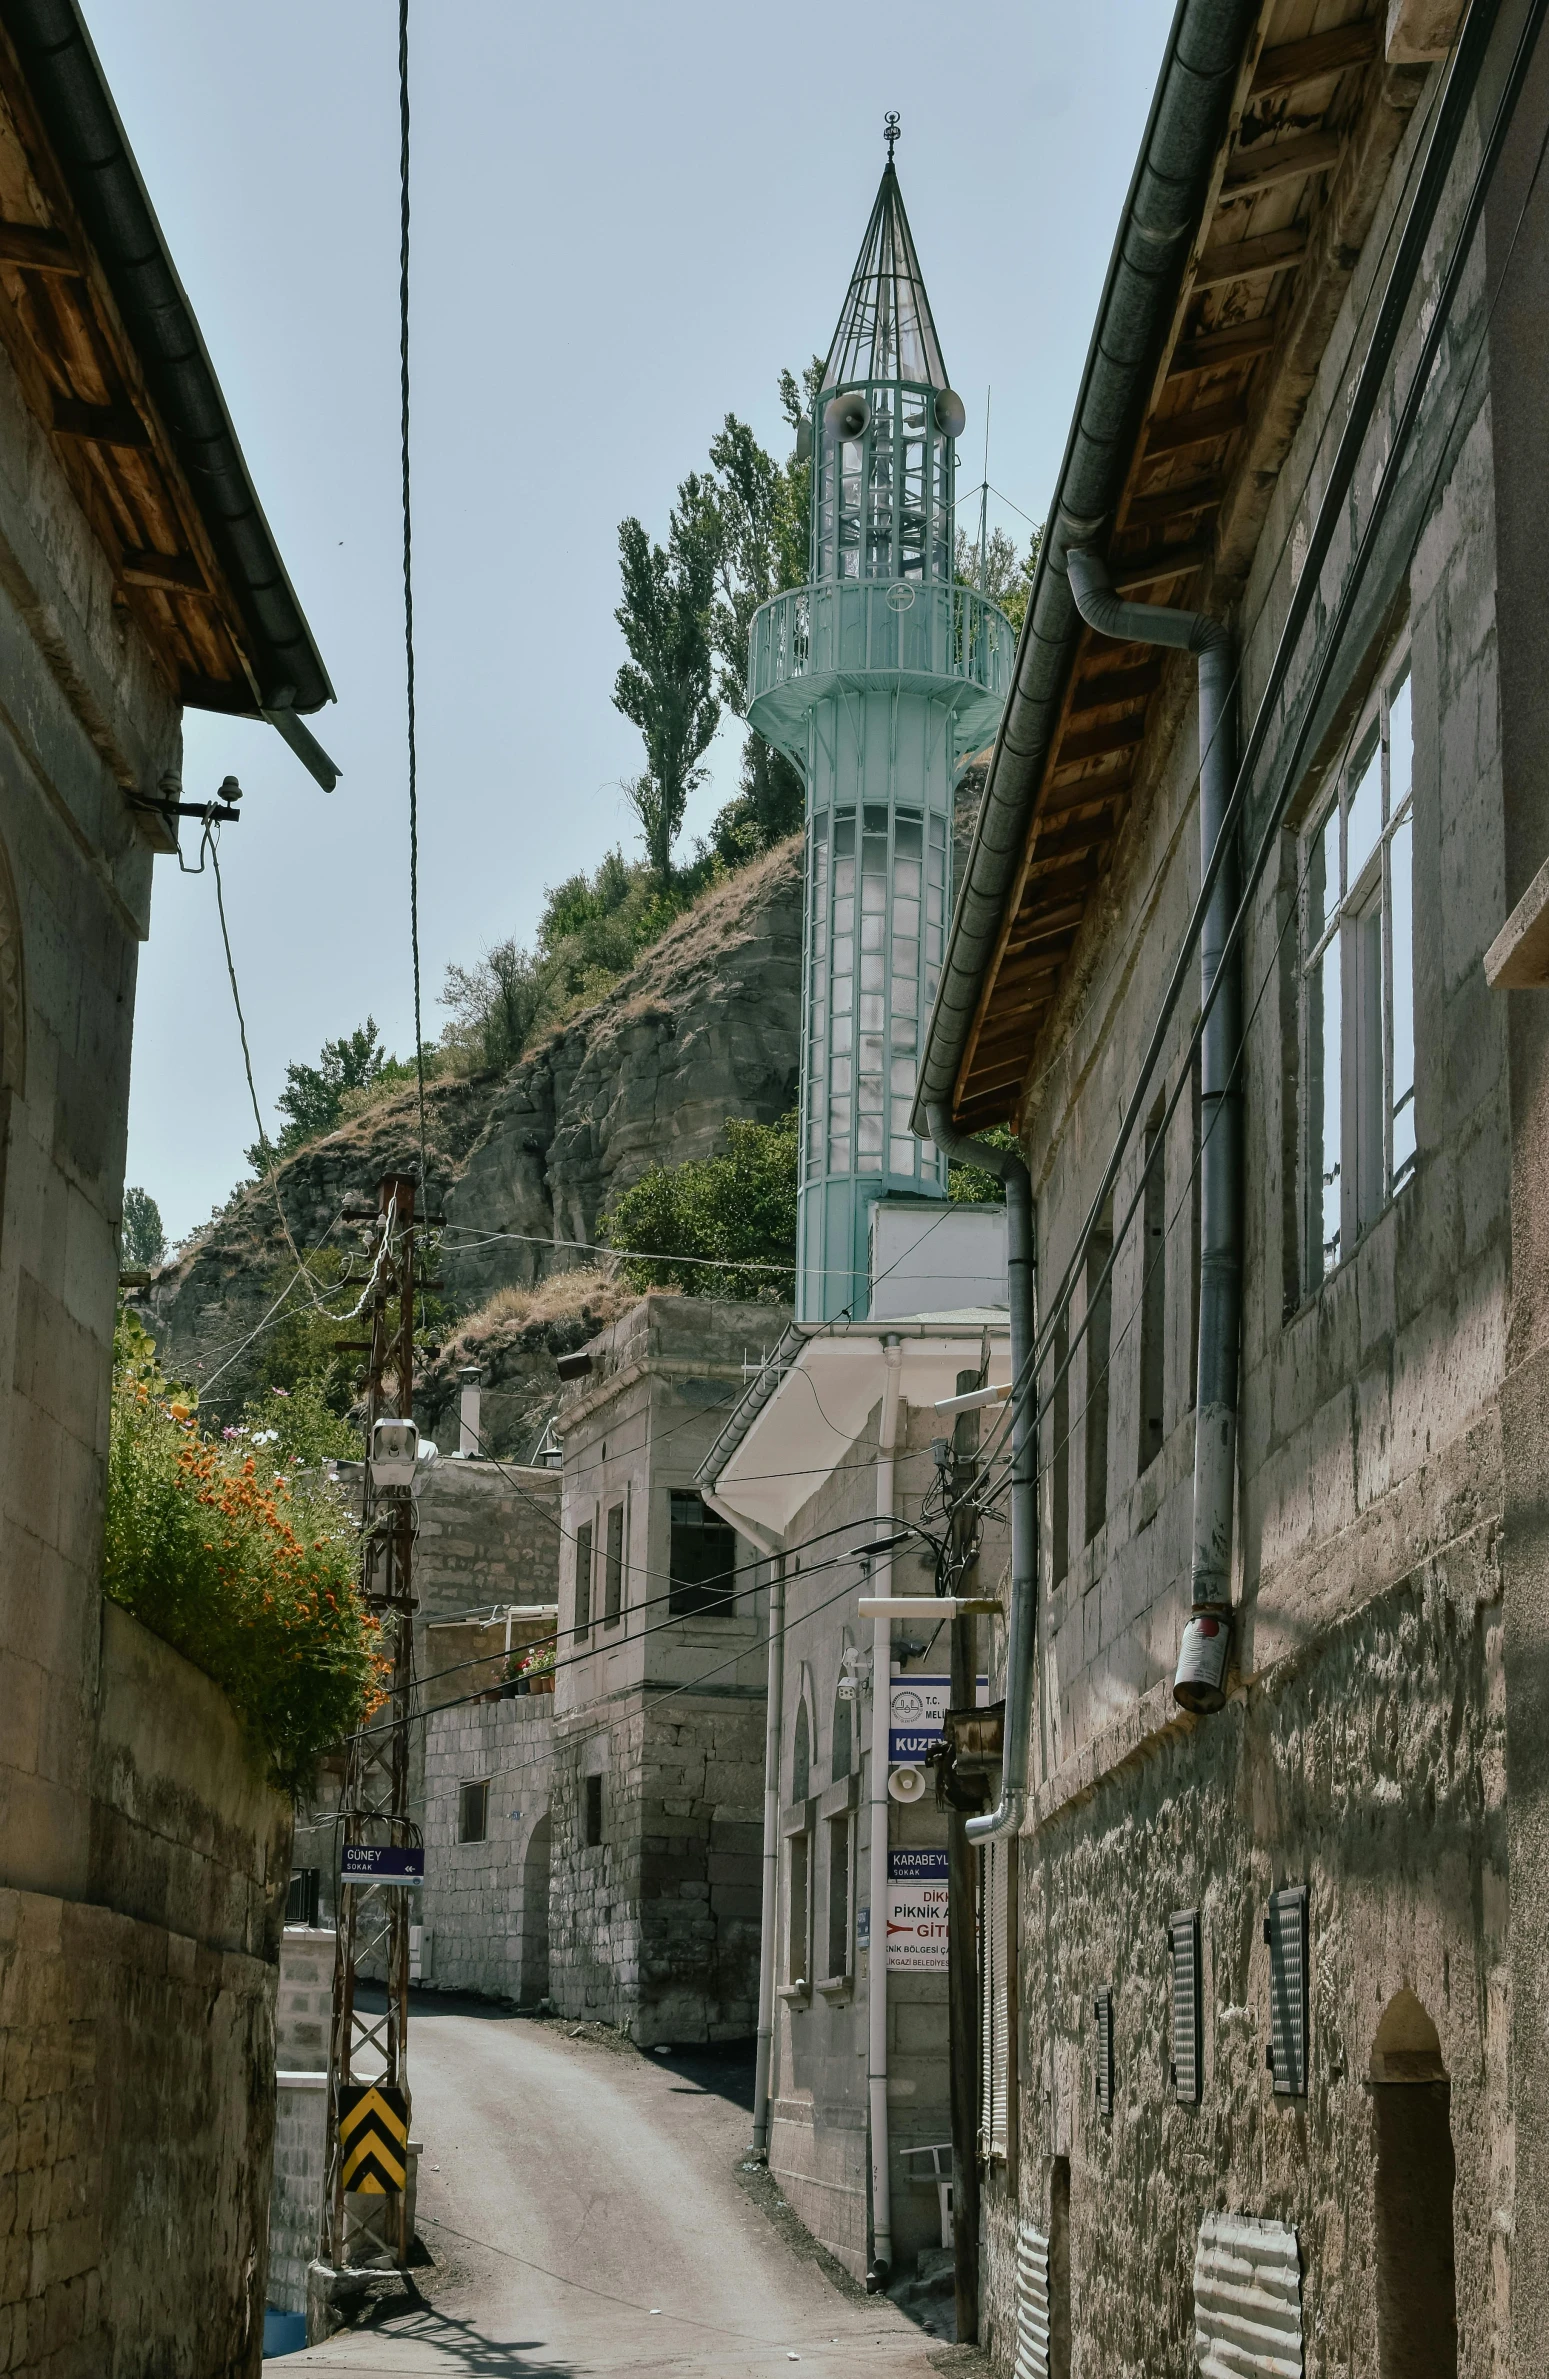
(891, 131)
(984, 503)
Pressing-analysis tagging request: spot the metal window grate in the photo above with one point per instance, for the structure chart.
(1188, 2041)
(1102, 2011)
(1285, 1930)
(1032, 2304)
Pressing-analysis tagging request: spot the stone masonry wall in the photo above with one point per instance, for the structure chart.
(303, 2020)
(486, 1904)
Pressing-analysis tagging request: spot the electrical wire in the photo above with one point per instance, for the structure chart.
(408, 567)
(211, 843)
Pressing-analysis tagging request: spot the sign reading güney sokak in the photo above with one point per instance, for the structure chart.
(917, 1911)
(368, 1862)
(917, 1715)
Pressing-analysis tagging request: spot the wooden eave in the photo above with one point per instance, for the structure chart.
(80, 376)
(1314, 127)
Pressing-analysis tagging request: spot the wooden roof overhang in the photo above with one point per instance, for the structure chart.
(110, 362)
(1316, 121)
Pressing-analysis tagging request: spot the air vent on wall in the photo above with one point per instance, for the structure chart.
(1188, 2044)
(1285, 1930)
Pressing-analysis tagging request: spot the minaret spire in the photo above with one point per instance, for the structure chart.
(892, 131)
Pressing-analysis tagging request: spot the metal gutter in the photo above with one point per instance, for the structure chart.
(1188, 121)
(76, 107)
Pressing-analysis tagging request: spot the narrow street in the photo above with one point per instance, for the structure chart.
(584, 2209)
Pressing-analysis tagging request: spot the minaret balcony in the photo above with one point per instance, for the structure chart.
(946, 642)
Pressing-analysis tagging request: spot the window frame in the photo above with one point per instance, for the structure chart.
(699, 1598)
(1368, 1109)
(585, 1563)
(614, 1565)
(471, 1785)
(594, 1810)
(839, 1913)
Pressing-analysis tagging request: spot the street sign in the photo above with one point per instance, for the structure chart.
(917, 1911)
(374, 2138)
(917, 1715)
(368, 1862)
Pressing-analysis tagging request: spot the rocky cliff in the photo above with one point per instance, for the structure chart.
(705, 1026)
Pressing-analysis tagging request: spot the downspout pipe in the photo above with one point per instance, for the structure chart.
(1200, 1683)
(881, 1720)
(769, 1925)
(1022, 1622)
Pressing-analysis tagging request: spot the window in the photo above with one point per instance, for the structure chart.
(613, 1569)
(838, 1896)
(1285, 1931)
(1059, 1467)
(301, 1902)
(593, 1812)
(1357, 986)
(1187, 2038)
(583, 1578)
(1153, 1292)
(839, 1749)
(472, 1812)
(1102, 2049)
(798, 1907)
(702, 1561)
(1099, 1347)
(801, 1754)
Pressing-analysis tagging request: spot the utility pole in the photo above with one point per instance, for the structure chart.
(364, 2215)
(962, 1898)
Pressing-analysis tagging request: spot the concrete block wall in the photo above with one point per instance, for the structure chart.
(296, 2193)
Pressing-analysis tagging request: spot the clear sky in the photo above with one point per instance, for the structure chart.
(627, 219)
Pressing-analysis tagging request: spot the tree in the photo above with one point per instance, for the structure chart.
(1008, 578)
(312, 1098)
(765, 513)
(143, 1241)
(720, 1226)
(666, 686)
(495, 1004)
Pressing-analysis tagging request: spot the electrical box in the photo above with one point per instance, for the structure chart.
(395, 1447)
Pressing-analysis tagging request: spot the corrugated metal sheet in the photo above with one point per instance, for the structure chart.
(1102, 2013)
(1188, 2040)
(1032, 2304)
(994, 1999)
(1247, 2299)
(1285, 1929)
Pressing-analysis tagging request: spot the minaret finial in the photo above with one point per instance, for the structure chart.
(890, 131)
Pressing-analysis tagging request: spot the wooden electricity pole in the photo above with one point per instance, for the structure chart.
(962, 1895)
(365, 2203)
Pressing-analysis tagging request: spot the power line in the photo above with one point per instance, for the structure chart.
(408, 564)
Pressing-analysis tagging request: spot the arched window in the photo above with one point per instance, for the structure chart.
(839, 1762)
(801, 1753)
(1417, 2314)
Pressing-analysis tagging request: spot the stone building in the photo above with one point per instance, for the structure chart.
(1276, 1977)
(139, 1885)
(659, 1699)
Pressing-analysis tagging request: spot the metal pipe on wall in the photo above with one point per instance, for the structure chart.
(1200, 1683)
(770, 1914)
(881, 1721)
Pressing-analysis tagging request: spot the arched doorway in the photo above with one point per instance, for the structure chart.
(1417, 2314)
(535, 1915)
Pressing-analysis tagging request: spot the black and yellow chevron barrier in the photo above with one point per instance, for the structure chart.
(374, 2138)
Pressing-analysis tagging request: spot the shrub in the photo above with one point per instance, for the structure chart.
(248, 1570)
(739, 1210)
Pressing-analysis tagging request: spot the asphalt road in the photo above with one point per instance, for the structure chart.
(586, 2213)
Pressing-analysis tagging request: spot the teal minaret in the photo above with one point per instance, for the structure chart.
(877, 679)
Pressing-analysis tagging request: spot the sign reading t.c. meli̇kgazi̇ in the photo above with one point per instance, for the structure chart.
(371, 1862)
(917, 1911)
(917, 1715)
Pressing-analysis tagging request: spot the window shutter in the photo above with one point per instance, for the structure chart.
(1247, 2298)
(986, 1996)
(1188, 2045)
(1000, 2045)
(1102, 2010)
(1032, 2304)
(1285, 1930)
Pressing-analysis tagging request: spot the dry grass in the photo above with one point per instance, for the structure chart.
(596, 1289)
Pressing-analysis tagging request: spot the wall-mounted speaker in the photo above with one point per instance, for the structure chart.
(907, 1784)
(951, 419)
(847, 415)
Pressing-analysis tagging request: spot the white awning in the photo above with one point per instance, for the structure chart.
(821, 1406)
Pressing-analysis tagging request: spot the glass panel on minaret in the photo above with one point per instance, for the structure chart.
(877, 680)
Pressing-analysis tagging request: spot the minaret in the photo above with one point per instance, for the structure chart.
(877, 680)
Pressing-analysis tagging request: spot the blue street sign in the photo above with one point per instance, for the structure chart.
(368, 1862)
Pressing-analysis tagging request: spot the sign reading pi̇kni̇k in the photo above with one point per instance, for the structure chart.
(917, 1911)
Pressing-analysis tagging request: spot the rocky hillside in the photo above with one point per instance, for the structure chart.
(705, 1026)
